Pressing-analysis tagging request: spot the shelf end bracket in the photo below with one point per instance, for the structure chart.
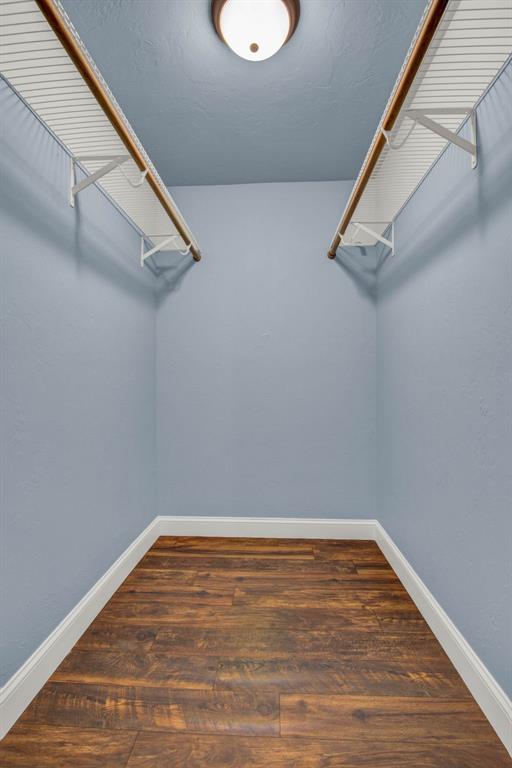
(113, 162)
(369, 231)
(144, 255)
(422, 117)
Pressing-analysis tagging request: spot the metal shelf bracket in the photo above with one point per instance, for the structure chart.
(114, 161)
(369, 231)
(422, 117)
(144, 255)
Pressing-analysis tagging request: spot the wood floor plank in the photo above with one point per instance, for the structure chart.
(133, 669)
(158, 750)
(387, 601)
(117, 637)
(262, 553)
(218, 578)
(220, 544)
(155, 613)
(346, 544)
(404, 619)
(255, 642)
(341, 677)
(341, 582)
(335, 585)
(161, 590)
(137, 708)
(271, 643)
(358, 552)
(160, 559)
(376, 570)
(385, 718)
(171, 576)
(45, 746)
(311, 597)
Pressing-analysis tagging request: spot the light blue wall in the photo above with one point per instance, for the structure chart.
(77, 386)
(445, 385)
(266, 361)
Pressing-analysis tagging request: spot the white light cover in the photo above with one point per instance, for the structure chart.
(246, 23)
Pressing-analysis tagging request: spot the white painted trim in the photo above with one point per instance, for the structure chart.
(492, 699)
(272, 527)
(18, 692)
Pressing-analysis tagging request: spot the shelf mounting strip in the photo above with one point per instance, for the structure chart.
(43, 58)
(458, 50)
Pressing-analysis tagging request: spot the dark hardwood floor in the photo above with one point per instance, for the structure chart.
(256, 653)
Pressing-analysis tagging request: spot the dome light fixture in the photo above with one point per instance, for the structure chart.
(255, 29)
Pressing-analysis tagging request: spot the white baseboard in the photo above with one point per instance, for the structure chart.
(271, 527)
(491, 698)
(18, 692)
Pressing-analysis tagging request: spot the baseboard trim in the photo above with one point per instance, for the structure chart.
(491, 698)
(18, 692)
(272, 527)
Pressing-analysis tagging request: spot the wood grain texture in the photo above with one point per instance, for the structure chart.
(257, 553)
(262, 643)
(327, 598)
(46, 746)
(162, 559)
(138, 708)
(399, 620)
(148, 669)
(336, 676)
(228, 547)
(169, 575)
(256, 653)
(382, 718)
(183, 751)
(145, 612)
(118, 637)
(358, 552)
(161, 589)
(347, 581)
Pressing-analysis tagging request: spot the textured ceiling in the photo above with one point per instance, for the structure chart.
(207, 116)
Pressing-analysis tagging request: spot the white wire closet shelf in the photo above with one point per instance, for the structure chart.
(43, 58)
(458, 50)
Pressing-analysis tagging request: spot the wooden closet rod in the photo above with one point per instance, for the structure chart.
(425, 35)
(50, 11)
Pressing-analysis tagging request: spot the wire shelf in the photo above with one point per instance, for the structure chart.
(472, 42)
(34, 60)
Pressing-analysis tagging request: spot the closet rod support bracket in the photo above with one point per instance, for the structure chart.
(113, 162)
(369, 231)
(423, 118)
(144, 255)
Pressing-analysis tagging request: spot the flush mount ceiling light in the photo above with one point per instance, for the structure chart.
(255, 29)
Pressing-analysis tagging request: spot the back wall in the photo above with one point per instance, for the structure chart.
(266, 360)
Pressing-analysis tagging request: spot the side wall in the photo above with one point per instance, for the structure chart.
(445, 385)
(77, 386)
(266, 361)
